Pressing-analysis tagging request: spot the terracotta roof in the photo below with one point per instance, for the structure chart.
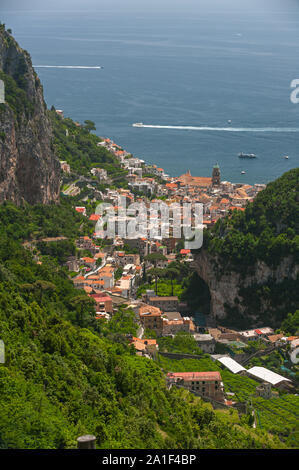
(88, 260)
(100, 298)
(291, 338)
(95, 217)
(139, 345)
(274, 338)
(200, 181)
(146, 341)
(145, 309)
(87, 289)
(195, 375)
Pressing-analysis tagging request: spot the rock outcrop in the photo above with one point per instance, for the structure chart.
(226, 288)
(29, 169)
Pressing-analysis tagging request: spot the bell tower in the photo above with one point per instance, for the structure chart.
(216, 175)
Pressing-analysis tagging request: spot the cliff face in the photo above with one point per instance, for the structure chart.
(250, 259)
(29, 169)
(247, 295)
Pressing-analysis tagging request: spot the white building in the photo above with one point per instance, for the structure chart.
(231, 364)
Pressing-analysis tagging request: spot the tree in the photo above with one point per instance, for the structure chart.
(89, 126)
(154, 258)
(172, 274)
(82, 304)
(42, 287)
(291, 323)
(156, 273)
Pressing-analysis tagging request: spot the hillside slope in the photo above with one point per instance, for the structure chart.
(67, 374)
(250, 260)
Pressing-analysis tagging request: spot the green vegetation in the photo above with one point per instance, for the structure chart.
(173, 280)
(291, 324)
(16, 98)
(59, 250)
(277, 416)
(267, 231)
(181, 343)
(164, 288)
(36, 222)
(76, 145)
(67, 373)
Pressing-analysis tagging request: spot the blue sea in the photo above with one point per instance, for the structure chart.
(171, 65)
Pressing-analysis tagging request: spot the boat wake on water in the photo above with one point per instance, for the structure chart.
(67, 67)
(222, 129)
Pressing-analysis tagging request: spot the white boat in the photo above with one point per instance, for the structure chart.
(286, 157)
(229, 121)
(243, 172)
(138, 124)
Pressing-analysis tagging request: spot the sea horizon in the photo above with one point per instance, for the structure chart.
(176, 71)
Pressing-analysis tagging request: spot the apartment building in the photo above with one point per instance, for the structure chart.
(207, 384)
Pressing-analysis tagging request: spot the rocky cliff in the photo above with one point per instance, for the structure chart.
(29, 169)
(249, 300)
(250, 259)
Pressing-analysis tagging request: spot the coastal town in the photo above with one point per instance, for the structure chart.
(142, 310)
(112, 272)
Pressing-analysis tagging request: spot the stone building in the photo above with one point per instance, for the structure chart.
(205, 342)
(264, 390)
(166, 304)
(207, 384)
